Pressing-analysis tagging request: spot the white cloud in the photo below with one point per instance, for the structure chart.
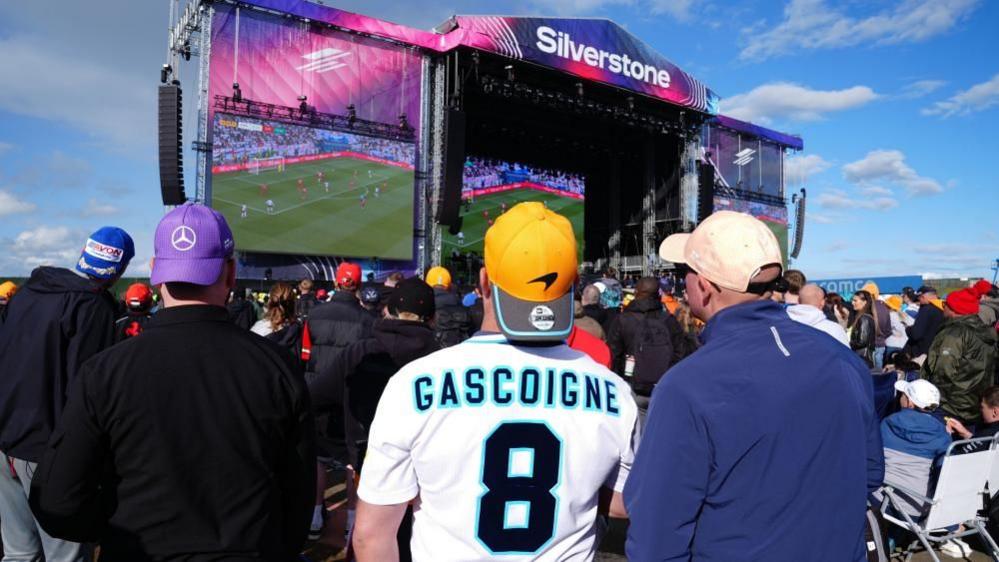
(95, 208)
(677, 9)
(889, 165)
(10, 204)
(838, 199)
(977, 98)
(872, 190)
(43, 245)
(820, 218)
(783, 100)
(797, 169)
(811, 24)
(921, 88)
(110, 105)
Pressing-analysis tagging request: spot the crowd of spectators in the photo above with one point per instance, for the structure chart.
(235, 145)
(932, 362)
(481, 173)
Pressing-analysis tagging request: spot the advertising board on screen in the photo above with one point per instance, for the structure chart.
(490, 187)
(290, 189)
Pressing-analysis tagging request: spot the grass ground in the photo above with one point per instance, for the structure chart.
(321, 222)
(475, 223)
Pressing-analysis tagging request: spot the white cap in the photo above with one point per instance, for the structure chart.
(922, 393)
(727, 248)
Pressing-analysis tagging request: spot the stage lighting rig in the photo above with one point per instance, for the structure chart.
(509, 73)
(165, 73)
(237, 94)
(303, 104)
(579, 89)
(630, 101)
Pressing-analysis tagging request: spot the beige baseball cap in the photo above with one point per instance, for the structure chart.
(727, 248)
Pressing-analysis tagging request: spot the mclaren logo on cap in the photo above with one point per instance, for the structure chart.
(547, 279)
(542, 318)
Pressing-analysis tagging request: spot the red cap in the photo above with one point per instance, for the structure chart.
(963, 302)
(138, 295)
(321, 294)
(982, 287)
(348, 275)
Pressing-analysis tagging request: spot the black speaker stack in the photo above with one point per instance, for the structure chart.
(171, 145)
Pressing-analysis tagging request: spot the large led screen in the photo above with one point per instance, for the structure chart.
(290, 189)
(490, 187)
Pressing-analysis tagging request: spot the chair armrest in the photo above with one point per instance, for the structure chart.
(889, 488)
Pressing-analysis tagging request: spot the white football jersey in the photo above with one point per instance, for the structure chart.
(505, 447)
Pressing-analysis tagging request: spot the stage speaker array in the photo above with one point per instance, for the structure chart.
(705, 190)
(170, 144)
(799, 225)
(454, 166)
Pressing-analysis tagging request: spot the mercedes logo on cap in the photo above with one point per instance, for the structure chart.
(183, 238)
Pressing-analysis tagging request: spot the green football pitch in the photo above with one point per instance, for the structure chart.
(475, 224)
(321, 222)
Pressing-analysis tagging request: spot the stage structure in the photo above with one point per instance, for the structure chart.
(325, 135)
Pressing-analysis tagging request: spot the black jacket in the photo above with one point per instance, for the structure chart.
(361, 372)
(924, 329)
(57, 321)
(194, 441)
(130, 325)
(242, 313)
(649, 333)
(304, 305)
(331, 327)
(863, 337)
(452, 321)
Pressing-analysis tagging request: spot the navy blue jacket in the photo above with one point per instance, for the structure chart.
(762, 445)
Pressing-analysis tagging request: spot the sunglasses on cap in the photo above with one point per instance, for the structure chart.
(778, 285)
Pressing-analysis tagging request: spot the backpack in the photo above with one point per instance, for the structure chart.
(653, 354)
(452, 325)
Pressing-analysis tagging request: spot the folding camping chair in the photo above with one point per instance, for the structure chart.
(958, 498)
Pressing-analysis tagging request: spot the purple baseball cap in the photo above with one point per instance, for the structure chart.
(192, 244)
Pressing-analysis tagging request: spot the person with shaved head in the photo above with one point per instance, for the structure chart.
(809, 311)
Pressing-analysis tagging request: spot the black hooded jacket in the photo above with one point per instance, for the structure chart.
(648, 332)
(363, 369)
(57, 321)
(331, 328)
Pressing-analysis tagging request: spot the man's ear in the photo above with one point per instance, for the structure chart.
(230, 274)
(484, 287)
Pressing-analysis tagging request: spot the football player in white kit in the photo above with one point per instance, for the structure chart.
(270, 207)
(510, 443)
(243, 211)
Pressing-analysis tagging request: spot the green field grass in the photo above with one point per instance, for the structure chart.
(321, 223)
(475, 225)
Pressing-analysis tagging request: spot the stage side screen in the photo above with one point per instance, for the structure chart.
(774, 216)
(490, 187)
(290, 189)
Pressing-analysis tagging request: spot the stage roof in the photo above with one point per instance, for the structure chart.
(593, 49)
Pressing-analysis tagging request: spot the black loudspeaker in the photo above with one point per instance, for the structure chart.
(454, 165)
(705, 191)
(170, 143)
(456, 226)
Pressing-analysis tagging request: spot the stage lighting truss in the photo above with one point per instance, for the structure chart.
(312, 118)
(578, 103)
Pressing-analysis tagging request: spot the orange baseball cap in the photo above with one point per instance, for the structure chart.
(439, 276)
(7, 289)
(531, 262)
(727, 248)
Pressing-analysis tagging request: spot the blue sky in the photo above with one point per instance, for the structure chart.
(897, 100)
